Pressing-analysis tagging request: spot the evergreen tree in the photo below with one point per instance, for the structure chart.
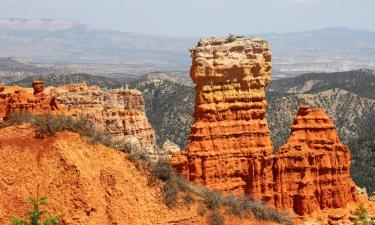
(36, 215)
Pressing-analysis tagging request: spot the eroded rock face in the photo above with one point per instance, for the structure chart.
(229, 148)
(230, 130)
(120, 111)
(20, 101)
(312, 171)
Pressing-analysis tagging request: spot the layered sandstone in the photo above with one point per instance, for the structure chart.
(312, 170)
(229, 148)
(120, 111)
(22, 101)
(230, 132)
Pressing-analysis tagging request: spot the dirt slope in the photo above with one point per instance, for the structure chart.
(90, 184)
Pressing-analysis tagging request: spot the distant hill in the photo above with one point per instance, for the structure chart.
(71, 42)
(58, 80)
(12, 69)
(360, 82)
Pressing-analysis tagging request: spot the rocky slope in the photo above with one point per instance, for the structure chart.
(90, 183)
(230, 149)
(353, 115)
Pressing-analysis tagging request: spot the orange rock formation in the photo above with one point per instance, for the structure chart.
(120, 111)
(312, 171)
(230, 131)
(20, 101)
(229, 148)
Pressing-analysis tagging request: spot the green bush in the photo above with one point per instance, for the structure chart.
(35, 216)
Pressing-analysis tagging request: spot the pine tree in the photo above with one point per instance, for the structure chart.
(36, 215)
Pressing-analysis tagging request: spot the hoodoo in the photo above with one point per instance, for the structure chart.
(229, 148)
(20, 101)
(230, 132)
(312, 171)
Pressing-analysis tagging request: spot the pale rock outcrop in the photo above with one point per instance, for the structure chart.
(119, 111)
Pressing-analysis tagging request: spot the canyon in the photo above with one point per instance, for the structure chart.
(229, 148)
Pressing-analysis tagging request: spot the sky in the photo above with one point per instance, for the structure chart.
(200, 17)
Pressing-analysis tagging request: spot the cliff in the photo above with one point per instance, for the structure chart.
(119, 111)
(229, 148)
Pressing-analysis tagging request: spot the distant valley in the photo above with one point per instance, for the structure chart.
(69, 46)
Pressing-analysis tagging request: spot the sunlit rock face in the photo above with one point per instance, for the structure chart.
(119, 111)
(229, 148)
(312, 170)
(230, 132)
(19, 100)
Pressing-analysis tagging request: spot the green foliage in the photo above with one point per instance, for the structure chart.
(363, 161)
(362, 217)
(51, 124)
(242, 205)
(36, 215)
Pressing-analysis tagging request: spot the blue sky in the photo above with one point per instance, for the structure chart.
(200, 17)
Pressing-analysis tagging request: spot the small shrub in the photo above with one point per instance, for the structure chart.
(216, 218)
(183, 184)
(163, 171)
(188, 199)
(212, 199)
(36, 215)
(170, 191)
(230, 38)
(362, 217)
(138, 156)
